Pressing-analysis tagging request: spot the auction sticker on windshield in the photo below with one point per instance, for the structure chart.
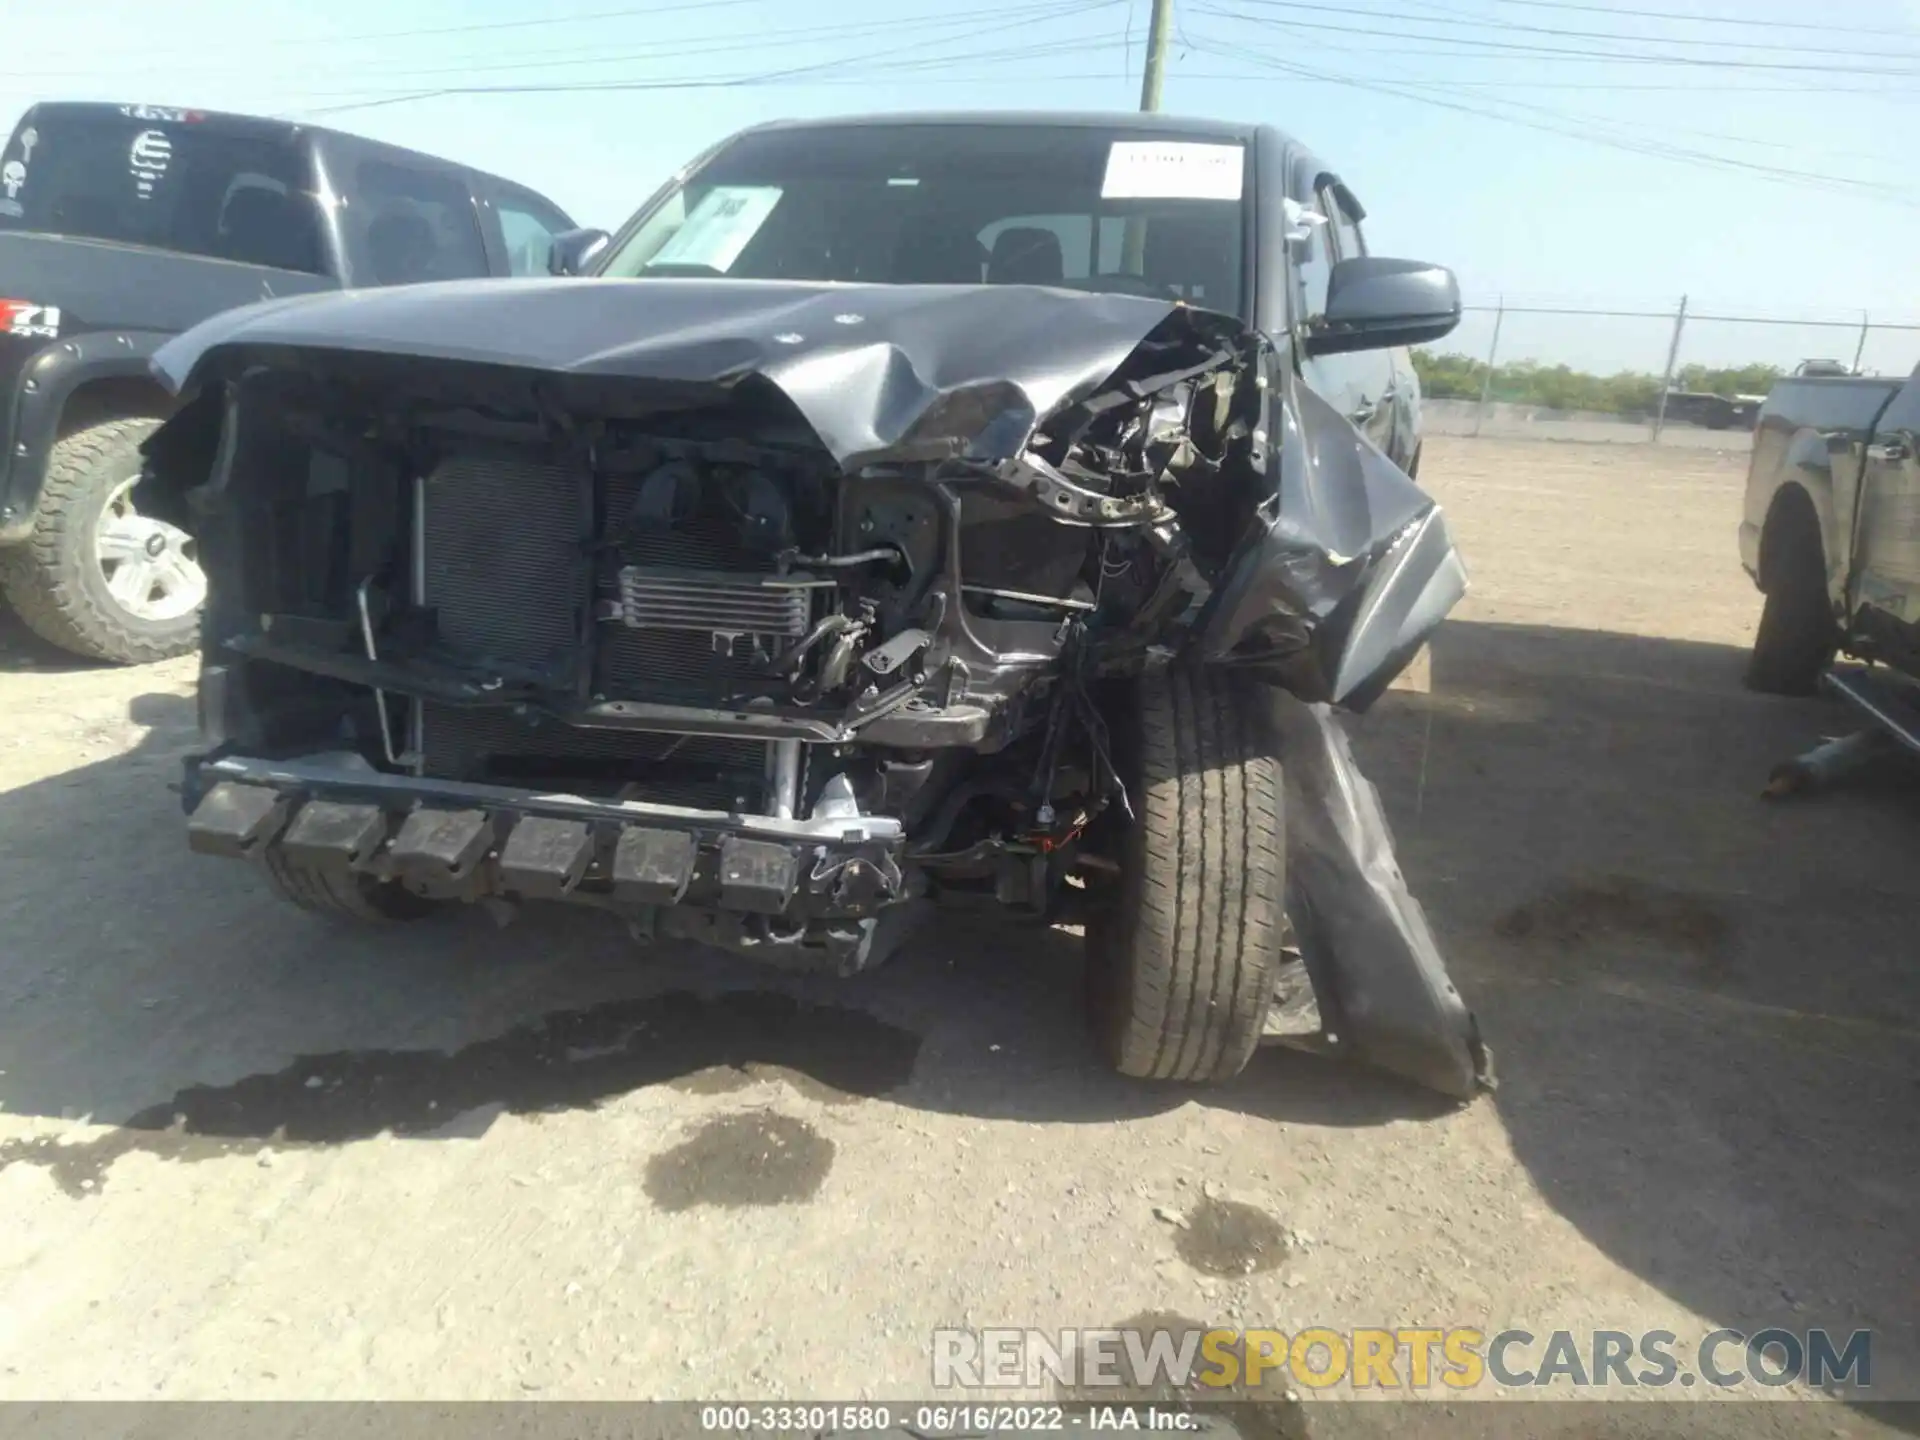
(1172, 170)
(719, 227)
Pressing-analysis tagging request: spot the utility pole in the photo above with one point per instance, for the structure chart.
(1133, 240)
(1150, 78)
(1493, 356)
(1666, 380)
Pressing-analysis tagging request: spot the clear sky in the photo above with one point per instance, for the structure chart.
(1758, 156)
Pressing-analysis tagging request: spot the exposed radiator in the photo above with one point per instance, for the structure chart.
(683, 665)
(502, 542)
(654, 598)
(503, 557)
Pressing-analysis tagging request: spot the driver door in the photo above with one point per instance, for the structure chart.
(1885, 580)
(1359, 384)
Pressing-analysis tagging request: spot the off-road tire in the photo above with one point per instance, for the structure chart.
(343, 894)
(1798, 635)
(1183, 953)
(54, 580)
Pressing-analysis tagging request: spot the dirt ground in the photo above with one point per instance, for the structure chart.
(456, 1161)
(1511, 422)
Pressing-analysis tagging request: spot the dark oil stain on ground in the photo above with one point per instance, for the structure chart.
(565, 1060)
(732, 1078)
(1224, 1237)
(754, 1158)
(1575, 914)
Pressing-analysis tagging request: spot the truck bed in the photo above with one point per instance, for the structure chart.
(1808, 426)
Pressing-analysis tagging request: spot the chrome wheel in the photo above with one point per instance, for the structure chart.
(152, 569)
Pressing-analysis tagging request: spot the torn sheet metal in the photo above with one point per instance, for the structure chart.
(879, 372)
(1347, 569)
(1377, 971)
(1344, 572)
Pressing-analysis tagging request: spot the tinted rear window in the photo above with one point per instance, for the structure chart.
(172, 185)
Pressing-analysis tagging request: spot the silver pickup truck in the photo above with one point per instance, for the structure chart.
(1831, 532)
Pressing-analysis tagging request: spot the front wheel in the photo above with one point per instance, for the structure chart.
(343, 894)
(98, 577)
(1798, 634)
(1182, 956)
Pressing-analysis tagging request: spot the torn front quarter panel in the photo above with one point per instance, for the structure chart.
(1344, 573)
(1384, 994)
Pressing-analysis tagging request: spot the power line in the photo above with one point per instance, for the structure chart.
(1661, 135)
(380, 36)
(1474, 22)
(1128, 73)
(1517, 50)
(860, 65)
(1573, 130)
(680, 46)
(1028, 15)
(1511, 83)
(1684, 18)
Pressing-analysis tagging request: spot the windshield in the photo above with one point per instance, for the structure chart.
(1073, 206)
(164, 179)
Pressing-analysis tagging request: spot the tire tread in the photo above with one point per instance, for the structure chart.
(1182, 969)
(41, 577)
(1798, 635)
(347, 895)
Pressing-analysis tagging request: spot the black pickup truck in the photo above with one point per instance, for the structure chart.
(123, 225)
(905, 511)
(1831, 530)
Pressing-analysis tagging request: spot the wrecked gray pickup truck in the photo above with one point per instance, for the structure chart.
(902, 512)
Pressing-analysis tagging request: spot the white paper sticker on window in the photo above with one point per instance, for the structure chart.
(1300, 220)
(1169, 170)
(719, 227)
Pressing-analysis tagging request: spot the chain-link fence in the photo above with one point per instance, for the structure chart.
(1681, 376)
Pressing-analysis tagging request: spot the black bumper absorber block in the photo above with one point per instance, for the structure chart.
(652, 867)
(236, 820)
(757, 876)
(544, 859)
(326, 834)
(438, 846)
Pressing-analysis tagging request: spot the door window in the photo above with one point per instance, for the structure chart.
(1346, 229)
(411, 224)
(1314, 257)
(527, 227)
(1358, 383)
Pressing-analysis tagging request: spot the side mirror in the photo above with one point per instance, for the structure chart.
(574, 250)
(1374, 304)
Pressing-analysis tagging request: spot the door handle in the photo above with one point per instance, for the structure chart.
(1368, 409)
(1893, 451)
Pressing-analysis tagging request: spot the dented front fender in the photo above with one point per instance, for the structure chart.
(1344, 572)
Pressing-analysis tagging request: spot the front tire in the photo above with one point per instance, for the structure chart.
(1182, 957)
(96, 577)
(346, 895)
(1798, 635)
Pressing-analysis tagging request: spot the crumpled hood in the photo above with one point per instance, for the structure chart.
(895, 371)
